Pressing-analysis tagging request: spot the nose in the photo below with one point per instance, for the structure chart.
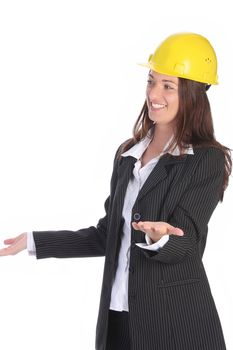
(154, 92)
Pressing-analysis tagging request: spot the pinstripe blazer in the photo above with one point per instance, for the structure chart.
(170, 302)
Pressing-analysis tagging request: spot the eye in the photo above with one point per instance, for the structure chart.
(149, 82)
(168, 87)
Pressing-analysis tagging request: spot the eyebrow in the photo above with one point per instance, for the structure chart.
(163, 80)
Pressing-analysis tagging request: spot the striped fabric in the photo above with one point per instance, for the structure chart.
(170, 302)
(118, 331)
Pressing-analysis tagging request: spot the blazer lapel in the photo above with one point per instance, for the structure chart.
(125, 170)
(160, 172)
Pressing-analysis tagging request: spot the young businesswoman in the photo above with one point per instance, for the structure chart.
(166, 182)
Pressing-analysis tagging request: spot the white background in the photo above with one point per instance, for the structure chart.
(70, 92)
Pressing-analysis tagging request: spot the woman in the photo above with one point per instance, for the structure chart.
(165, 185)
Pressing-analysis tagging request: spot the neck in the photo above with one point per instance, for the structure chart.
(162, 135)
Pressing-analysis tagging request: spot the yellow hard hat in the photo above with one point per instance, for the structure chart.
(185, 55)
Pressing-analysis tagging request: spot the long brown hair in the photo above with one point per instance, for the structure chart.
(194, 124)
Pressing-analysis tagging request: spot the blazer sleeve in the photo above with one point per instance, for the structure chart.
(87, 242)
(194, 210)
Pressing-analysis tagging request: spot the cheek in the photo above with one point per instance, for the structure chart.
(177, 106)
(147, 92)
(147, 97)
(174, 102)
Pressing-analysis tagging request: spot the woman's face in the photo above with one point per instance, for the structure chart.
(162, 98)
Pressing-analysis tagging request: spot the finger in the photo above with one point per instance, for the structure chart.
(135, 225)
(15, 239)
(138, 225)
(11, 250)
(20, 243)
(147, 228)
(175, 231)
(5, 252)
(9, 241)
(144, 227)
(154, 227)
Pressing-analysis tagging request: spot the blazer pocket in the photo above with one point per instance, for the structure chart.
(164, 284)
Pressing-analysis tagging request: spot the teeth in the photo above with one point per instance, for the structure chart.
(157, 105)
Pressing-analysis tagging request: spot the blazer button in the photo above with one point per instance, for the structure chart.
(137, 216)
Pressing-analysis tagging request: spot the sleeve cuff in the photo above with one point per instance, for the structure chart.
(31, 244)
(149, 245)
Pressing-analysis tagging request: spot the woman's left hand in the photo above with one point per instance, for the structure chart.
(156, 229)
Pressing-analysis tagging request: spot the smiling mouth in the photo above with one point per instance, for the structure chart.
(157, 106)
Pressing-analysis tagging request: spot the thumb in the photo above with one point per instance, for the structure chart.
(9, 241)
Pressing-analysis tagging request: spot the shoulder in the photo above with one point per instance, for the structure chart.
(122, 148)
(208, 159)
(209, 154)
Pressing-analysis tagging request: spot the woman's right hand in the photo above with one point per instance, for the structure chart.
(15, 245)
